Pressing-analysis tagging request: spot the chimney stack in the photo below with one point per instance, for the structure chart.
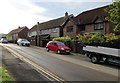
(19, 27)
(66, 14)
(38, 23)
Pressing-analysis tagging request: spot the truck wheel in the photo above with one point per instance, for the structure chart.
(94, 59)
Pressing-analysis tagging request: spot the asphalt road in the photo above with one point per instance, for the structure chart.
(68, 67)
(19, 70)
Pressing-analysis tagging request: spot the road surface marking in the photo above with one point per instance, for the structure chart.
(38, 67)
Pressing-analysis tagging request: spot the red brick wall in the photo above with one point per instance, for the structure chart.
(71, 34)
(23, 33)
(89, 28)
(108, 28)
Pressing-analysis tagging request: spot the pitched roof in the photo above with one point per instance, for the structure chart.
(34, 28)
(51, 24)
(88, 17)
(17, 30)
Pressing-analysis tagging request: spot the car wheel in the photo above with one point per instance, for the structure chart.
(58, 51)
(47, 49)
(94, 59)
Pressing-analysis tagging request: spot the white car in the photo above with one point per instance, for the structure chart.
(3, 40)
(23, 42)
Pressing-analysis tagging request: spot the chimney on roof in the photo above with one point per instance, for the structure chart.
(66, 14)
(38, 23)
(19, 27)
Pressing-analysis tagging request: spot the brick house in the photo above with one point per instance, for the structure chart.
(20, 32)
(88, 22)
(43, 32)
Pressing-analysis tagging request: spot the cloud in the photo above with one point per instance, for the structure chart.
(16, 13)
(72, 1)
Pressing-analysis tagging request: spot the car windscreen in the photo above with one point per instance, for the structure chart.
(60, 44)
(24, 40)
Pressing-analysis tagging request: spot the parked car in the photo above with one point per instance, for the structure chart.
(58, 47)
(3, 40)
(23, 42)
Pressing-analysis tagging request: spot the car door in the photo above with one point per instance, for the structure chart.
(55, 46)
(50, 46)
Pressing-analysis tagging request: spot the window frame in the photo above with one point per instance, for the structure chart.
(98, 26)
(69, 29)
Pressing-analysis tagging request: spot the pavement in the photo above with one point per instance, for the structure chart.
(21, 71)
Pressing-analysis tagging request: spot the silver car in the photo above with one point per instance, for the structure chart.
(3, 40)
(23, 42)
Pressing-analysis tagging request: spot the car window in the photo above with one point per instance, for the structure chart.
(60, 44)
(55, 44)
(23, 40)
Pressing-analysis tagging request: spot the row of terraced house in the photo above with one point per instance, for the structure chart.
(68, 25)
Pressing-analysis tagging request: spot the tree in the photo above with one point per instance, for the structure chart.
(114, 14)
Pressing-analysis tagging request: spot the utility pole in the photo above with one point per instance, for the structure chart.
(37, 34)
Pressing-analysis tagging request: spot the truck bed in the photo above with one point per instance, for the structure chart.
(103, 50)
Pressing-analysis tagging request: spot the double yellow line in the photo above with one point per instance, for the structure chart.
(40, 69)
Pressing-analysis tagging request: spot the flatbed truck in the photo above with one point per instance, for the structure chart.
(102, 54)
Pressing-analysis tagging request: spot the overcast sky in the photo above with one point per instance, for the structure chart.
(14, 13)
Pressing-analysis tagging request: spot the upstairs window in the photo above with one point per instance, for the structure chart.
(70, 29)
(99, 26)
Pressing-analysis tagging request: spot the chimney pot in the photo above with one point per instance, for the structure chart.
(38, 23)
(19, 27)
(66, 14)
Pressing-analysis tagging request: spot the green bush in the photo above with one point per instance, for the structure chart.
(112, 40)
(62, 39)
(109, 40)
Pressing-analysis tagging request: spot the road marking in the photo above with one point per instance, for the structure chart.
(42, 70)
(96, 67)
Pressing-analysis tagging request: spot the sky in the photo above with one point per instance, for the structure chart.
(15, 13)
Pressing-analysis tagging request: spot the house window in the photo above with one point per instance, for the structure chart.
(98, 26)
(83, 28)
(70, 29)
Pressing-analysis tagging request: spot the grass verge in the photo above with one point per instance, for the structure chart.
(5, 76)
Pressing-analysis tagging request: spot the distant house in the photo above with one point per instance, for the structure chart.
(20, 32)
(88, 22)
(43, 32)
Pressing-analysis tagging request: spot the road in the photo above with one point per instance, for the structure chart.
(67, 67)
(19, 70)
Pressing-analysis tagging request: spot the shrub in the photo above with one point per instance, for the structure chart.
(112, 40)
(62, 39)
(109, 40)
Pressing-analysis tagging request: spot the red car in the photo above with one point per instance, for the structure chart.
(57, 46)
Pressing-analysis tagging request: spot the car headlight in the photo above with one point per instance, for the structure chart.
(62, 49)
